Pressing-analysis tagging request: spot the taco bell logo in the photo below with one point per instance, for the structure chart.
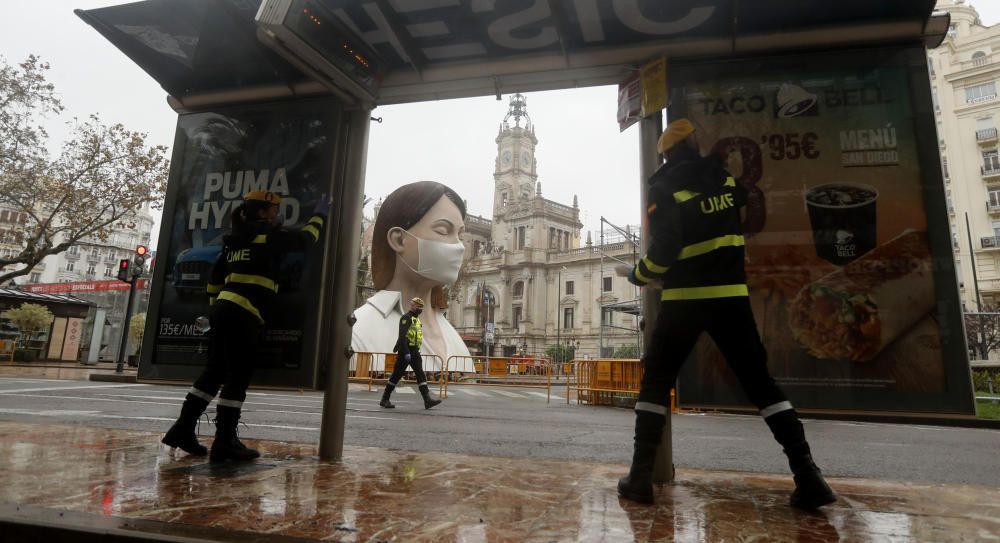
(794, 101)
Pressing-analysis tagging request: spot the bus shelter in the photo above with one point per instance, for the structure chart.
(805, 100)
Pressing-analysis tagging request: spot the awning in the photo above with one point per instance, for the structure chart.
(436, 49)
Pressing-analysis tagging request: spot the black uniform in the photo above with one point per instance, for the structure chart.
(697, 254)
(407, 349)
(242, 290)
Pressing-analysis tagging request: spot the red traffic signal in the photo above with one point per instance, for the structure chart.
(123, 270)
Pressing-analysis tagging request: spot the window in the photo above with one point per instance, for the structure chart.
(607, 317)
(107, 271)
(95, 252)
(979, 55)
(35, 277)
(994, 198)
(517, 317)
(996, 228)
(74, 250)
(91, 270)
(991, 160)
(518, 289)
(566, 241)
(934, 98)
(569, 287)
(981, 93)
(503, 199)
(69, 266)
(944, 168)
(519, 240)
(567, 318)
(607, 284)
(930, 65)
(953, 30)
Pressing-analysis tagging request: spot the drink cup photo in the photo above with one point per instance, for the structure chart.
(843, 220)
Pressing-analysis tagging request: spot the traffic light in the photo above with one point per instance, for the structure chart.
(141, 252)
(123, 270)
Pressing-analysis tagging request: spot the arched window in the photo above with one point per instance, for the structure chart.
(518, 289)
(978, 54)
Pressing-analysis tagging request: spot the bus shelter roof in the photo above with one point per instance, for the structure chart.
(205, 50)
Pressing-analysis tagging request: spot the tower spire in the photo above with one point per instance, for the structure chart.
(518, 109)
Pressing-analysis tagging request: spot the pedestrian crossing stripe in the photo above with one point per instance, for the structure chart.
(469, 391)
(509, 394)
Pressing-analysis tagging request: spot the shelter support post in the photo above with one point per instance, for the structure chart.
(650, 129)
(340, 288)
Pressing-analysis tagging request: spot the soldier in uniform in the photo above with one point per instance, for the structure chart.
(696, 256)
(407, 351)
(242, 293)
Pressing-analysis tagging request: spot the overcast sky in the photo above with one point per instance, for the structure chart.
(449, 141)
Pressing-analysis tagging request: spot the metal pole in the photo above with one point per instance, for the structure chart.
(341, 299)
(120, 364)
(558, 319)
(649, 132)
(975, 283)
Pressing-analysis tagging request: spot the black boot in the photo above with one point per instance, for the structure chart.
(227, 444)
(389, 387)
(638, 485)
(429, 401)
(811, 490)
(182, 434)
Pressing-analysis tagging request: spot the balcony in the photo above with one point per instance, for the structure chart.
(72, 256)
(991, 171)
(981, 99)
(990, 242)
(986, 135)
(992, 209)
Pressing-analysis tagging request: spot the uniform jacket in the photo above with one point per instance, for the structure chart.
(246, 272)
(402, 346)
(697, 245)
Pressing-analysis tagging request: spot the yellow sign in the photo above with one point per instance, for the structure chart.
(653, 77)
(604, 372)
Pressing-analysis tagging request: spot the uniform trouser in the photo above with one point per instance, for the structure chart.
(416, 362)
(233, 342)
(730, 324)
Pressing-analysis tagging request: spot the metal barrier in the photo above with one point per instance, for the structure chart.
(377, 367)
(499, 371)
(8, 347)
(614, 381)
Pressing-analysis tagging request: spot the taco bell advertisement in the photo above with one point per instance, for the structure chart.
(224, 156)
(844, 278)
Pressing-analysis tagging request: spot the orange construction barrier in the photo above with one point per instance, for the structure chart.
(609, 381)
(377, 367)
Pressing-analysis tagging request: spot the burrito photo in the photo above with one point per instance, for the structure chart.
(855, 312)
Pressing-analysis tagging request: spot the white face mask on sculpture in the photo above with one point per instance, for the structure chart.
(438, 261)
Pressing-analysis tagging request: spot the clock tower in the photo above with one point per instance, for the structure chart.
(515, 176)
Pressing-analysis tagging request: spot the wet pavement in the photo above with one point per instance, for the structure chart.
(127, 479)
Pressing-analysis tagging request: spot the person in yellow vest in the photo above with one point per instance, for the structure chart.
(407, 351)
(242, 292)
(696, 255)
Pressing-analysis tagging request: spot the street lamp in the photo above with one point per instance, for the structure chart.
(559, 318)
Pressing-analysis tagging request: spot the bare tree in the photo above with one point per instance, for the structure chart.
(98, 179)
(982, 331)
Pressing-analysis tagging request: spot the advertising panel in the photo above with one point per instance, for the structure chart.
(220, 156)
(849, 262)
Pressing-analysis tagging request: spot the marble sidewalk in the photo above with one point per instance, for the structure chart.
(126, 479)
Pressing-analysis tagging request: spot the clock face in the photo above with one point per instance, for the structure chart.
(505, 158)
(525, 160)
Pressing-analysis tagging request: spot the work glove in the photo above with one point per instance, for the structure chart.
(406, 357)
(322, 206)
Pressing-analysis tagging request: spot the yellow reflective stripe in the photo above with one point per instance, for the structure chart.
(242, 302)
(655, 268)
(312, 230)
(213, 288)
(730, 182)
(650, 209)
(733, 240)
(701, 293)
(211, 300)
(685, 195)
(317, 220)
(252, 280)
(641, 277)
(261, 238)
